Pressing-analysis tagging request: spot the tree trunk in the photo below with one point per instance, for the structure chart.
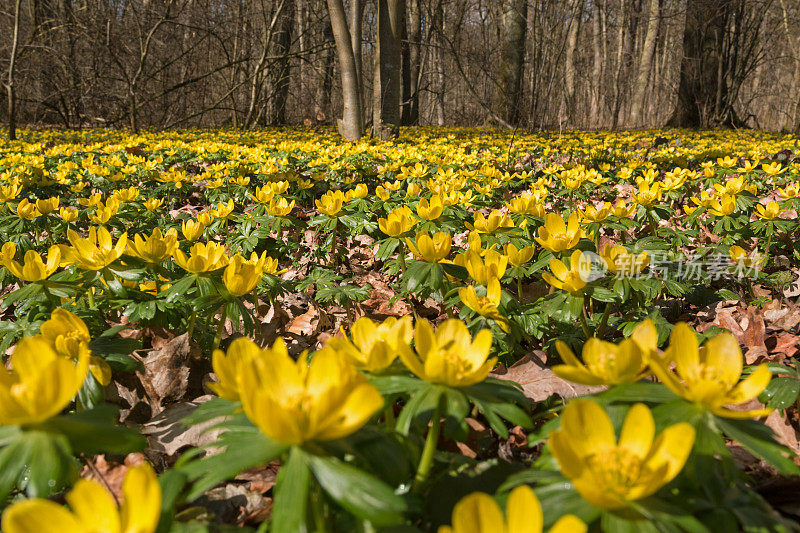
(568, 96)
(645, 62)
(283, 40)
(438, 60)
(597, 64)
(351, 125)
(322, 97)
(10, 88)
(387, 71)
(702, 89)
(411, 64)
(356, 37)
(509, 83)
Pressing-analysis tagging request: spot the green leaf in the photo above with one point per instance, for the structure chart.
(291, 494)
(244, 449)
(780, 393)
(396, 384)
(760, 440)
(95, 431)
(360, 493)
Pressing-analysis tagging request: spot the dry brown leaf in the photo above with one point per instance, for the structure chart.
(167, 434)
(166, 375)
(540, 383)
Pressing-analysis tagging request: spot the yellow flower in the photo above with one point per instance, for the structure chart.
(623, 210)
(155, 248)
(27, 210)
(374, 346)
(790, 191)
(496, 220)
(741, 257)
(771, 212)
(103, 213)
(293, 402)
(705, 200)
(611, 473)
(594, 214)
(40, 383)
(206, 218)
(518, 257)
(202, 258)
(727, 162)
(479, 513)
(360, 191)
(9, 192)
(710, 375)
(398, 222)
(240, 276)
(648, 195)
(97, 251)
(724, 206)
(382, 193)
(153, 203)
(7, 252)
(280, 207)
(34, 268)
(264, 194)
(430, 210)
(605, 363)
(69, 336)
(557, 236)
(192, 229)
(68, 214)
(526, 204)
(48, 205)
(91, 201)
(485, 305)
(491, 266)
(572, 279)
(430, 249)
(773, 169)
(330, 203)
(226, 367)
(449, 356)
(620, 262)
(93, 508)
(223, 210)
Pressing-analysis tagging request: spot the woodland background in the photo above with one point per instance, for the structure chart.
(549, 64)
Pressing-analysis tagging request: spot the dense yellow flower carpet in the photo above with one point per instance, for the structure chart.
(461, 330)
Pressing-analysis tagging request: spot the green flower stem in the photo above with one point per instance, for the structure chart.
(401, 257)
(318, 508)
(769, 245)
(431, 441)
(90, 296)
(584, 325)
(192, 320)
(388, 415)
(520, 296)
(220, 327)
(601, 328)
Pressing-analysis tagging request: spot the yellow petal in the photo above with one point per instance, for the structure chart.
(141, 507)
(523, 511)
(569, 524)
(94, 506)
(477, 513)
(751, 387)
(638, 430)
(39, 516)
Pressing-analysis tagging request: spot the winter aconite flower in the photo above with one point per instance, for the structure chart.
(495, 221)
(226, 367)
(479, 513)
(624, 264)
(518, 256)
(485, 305)
(572, 279)
(449, 355)
(97, 250)
(192, 230)
(430, 249)
(709, 375)
(240, 276)
(69, 336)
(605, 363)
(485, 265)
(155, 248)
(770, 212)
(373, 347)
(430, 210)
(398, 222)
(557, 236)
(610, 473)
(330, 203)
(92, 508)
(293, 402)
(40, 383)
(202, 258)
(33, 267)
